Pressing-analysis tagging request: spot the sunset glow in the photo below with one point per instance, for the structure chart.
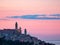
(36, 27)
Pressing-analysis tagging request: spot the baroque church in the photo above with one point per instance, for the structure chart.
(14, 30)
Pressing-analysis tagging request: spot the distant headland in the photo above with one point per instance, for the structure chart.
(16, 37)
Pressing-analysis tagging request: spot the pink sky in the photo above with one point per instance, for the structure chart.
(23, 7)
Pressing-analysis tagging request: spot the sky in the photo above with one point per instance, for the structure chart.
(40, 17)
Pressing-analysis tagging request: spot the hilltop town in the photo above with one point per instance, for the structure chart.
(16, 34)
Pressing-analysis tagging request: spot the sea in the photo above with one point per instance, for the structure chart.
(54, 42)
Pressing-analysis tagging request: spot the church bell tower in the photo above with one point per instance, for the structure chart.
(16, 25)
(25, 31)
(20, 30)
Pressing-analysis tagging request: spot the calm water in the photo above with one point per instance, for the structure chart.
(55, 42)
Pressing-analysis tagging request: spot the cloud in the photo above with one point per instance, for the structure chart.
(39, 17)
(55, 15)
(3, 19)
